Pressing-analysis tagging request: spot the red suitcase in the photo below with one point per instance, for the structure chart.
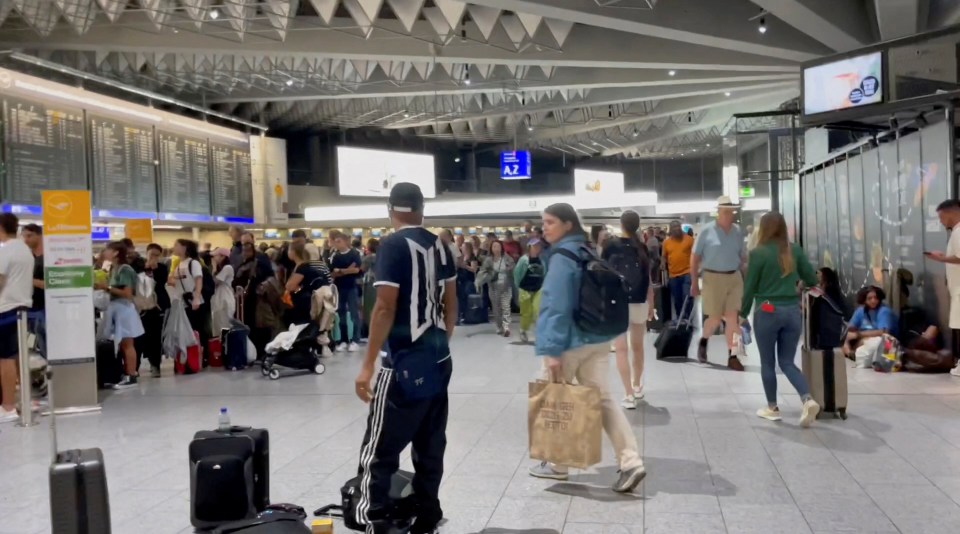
(190, 363)
(215, 352)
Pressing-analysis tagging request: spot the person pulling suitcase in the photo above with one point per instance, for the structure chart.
(409, 404)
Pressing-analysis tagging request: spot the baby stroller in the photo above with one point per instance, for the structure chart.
(303, 354)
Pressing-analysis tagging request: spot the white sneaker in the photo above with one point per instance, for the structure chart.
(809, 414)
(638, 393)
(353, 347)
(769, 414)
(342, 347)
(956, 370)
(326, 352)
(629, 403)
(8, 417)
(382, 354)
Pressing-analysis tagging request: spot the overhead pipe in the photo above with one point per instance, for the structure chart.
(33, 60)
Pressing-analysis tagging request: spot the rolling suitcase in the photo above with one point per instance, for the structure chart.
(235, 348)
(261, 459)
(221, 479)
(661, 308)
(825, 369)
(79, 500)
(109, 368)
(215, 352)
(674, 341)
(476, 312)
(189, 363)
(266, 523)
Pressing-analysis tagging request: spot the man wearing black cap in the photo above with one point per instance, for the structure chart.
(412, 320)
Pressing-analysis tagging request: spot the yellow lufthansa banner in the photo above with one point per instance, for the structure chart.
(140, 231)
(66, 212)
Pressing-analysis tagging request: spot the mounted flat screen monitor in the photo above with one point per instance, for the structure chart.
(515, 165)
(843, 84)
(363, 172)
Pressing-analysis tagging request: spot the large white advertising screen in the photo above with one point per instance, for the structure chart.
(594, 184)
(847, 83)
(363, 172)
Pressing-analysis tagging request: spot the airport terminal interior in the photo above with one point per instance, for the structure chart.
(206, 216)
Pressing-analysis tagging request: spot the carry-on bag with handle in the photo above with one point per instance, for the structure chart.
(674, 340)
(79, 500)
(221, 479)
(215, 352)
(109, 366)
(269, 522)
(401, 496)
(476, 312)
(235, 347)
(261, 459)
(824, 367)
(188, 363)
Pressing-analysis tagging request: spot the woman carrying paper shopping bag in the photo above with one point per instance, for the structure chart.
(569, 353)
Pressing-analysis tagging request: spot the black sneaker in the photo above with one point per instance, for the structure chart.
(426, 523)
(702, 351)
(126, 382)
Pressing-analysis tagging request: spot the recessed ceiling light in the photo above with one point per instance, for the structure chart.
(466, 81)
(530, 128)
(456, 159)
(763, 25)
(289, 83)
(214, 13)
(406, 115)
(727, 93)
(672, 73)
(708, 144)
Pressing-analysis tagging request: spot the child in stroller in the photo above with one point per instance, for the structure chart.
(301, 346)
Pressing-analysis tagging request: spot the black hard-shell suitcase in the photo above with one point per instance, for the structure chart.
(261, 459)
(109, 367)
(235, 347)
(476, 312)
(79, 500)
(674, 340)
(662, 311)
(221, 480)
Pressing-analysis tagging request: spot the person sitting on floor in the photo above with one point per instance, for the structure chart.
(870, 322)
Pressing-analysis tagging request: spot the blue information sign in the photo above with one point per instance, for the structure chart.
(515, 165)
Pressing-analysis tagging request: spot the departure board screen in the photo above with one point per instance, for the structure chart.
(124, 174)
(44, 150)
(231, 180)
(184, 174)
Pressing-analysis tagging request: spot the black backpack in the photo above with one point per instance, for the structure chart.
(603, 308)
(401, 493)
(532, 281)
(630, 262)
(209, 284)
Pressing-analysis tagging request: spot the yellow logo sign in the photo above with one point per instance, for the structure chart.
(140, 231)
(66, 212)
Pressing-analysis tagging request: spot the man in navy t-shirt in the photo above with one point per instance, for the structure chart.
(345, 270)
(413, 319)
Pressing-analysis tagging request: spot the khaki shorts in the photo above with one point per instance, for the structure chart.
(721, 293)
(638, 313)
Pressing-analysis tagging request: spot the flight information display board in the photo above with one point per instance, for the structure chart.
(184, 174)
(44, 150)
(124, 174)
(231, 181)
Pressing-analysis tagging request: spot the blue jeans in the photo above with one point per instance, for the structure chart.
(777, 334)
(679, 290)
(349, 303)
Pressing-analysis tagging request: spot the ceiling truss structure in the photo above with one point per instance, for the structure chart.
(628, 78)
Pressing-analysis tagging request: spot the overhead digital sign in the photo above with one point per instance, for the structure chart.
(515, 165)
(843, 84)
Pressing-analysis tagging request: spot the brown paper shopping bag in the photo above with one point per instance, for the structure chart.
(564, 423)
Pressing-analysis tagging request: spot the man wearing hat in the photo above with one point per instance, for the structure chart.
(718, 254)
(412, 321)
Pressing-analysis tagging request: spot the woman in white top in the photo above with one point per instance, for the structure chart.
(224, 303)
(188, 278)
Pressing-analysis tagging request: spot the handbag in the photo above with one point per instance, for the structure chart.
(564, 423)
(419, 377)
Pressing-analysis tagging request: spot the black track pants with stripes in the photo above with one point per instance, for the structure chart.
(395, 422)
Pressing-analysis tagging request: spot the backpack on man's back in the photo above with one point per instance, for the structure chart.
(633, 264)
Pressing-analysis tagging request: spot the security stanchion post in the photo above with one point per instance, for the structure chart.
(26, 404)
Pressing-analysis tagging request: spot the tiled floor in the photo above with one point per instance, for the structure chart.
(714, 467)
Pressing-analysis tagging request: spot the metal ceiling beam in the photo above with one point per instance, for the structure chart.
(591, 47)
(900, 18)
(685, 21)
(841, 25)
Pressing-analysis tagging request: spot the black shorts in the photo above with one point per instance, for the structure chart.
(9, 347)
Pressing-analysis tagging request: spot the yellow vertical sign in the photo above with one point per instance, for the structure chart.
(140, 231)
(66, 212)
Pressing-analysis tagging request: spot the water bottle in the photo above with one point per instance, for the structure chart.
(745, 333)
(224, 422)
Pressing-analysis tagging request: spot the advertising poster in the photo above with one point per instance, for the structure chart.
(140, 231)
(364, 172)
(872, 226)
(68, 275)
(852, 82)
(857, 228)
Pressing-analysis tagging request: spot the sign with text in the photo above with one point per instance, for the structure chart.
(515, 165)
(140, 231)
(68, 276)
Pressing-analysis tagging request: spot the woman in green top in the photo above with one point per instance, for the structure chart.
(774, 269)
(123, 321)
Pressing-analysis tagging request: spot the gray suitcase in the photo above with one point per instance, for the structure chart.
(824, 369)
(79, 501)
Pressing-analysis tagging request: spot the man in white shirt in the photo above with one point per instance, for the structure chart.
(16, 292)
(949, 213)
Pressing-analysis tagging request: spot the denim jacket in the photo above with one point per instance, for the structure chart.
(556, 330)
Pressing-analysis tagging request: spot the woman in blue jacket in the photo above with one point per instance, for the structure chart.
(571, 353)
